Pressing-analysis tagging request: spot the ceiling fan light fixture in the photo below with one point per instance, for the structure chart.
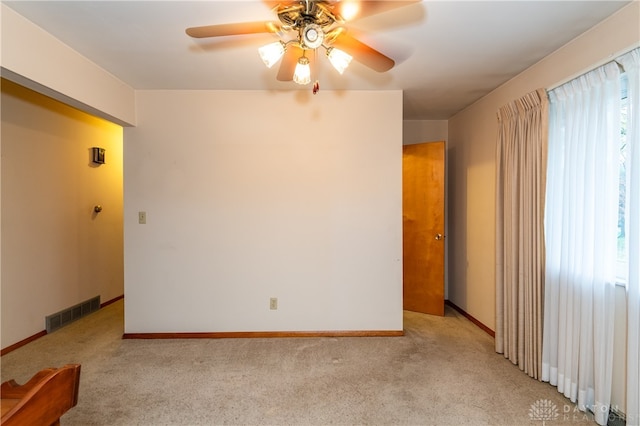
(339, 59)
(305, 26)
(312, 36)
(302, 74)
(272, 52)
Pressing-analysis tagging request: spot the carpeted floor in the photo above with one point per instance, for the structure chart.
(444, 371)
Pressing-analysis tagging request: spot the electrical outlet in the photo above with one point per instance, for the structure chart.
(142, 218)
(273, 303)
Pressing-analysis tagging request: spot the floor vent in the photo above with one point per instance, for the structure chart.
(67, 316)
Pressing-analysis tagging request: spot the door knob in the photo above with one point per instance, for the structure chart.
(438, 236)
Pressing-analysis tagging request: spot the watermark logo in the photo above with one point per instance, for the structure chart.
(543, 410)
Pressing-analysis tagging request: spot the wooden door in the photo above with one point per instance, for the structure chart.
(423, 227)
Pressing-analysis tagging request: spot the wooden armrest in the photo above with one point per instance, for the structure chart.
(10, 389)
(43, 399)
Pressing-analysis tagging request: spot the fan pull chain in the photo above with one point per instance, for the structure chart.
(316, 84)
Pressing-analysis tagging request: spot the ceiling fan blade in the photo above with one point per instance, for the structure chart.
(288, 63)
(350, 10)
(271, 4)
(233, 29)
(361, 52)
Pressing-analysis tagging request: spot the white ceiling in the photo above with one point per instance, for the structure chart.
(448, 53)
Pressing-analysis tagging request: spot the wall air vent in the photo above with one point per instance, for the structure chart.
(67, 316)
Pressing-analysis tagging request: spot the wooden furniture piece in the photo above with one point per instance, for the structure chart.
(43, 399)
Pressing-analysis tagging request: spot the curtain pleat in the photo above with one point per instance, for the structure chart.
(631, 64)
(521, 158)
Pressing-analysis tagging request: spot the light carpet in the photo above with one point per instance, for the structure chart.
(444, 371)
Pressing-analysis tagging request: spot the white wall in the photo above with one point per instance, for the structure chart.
(471, 162)
(251, 195)
(56, 252)
(35, 59)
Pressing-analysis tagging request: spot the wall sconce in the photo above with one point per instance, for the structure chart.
(98, 155)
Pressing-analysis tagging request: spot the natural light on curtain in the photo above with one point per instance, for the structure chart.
(582, 237)
(631, 64)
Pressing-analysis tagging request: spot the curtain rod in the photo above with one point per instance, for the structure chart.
(611, 58)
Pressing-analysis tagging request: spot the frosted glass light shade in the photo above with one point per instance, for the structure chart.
(339, 59)
(302, 75)
(271, 53)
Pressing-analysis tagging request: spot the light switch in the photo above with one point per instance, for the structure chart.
(142, 218)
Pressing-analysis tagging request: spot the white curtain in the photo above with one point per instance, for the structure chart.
(581, 219)
(631, 64)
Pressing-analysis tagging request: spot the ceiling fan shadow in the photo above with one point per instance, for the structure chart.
(301, 95)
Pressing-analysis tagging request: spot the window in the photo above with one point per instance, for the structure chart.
(623, 258)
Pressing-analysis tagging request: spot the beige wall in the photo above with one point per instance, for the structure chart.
(254, 194)
(56, 252)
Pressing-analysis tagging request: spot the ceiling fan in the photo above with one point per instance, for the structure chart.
(306, 26)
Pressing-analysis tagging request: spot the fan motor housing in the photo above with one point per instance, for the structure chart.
(298, 16)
